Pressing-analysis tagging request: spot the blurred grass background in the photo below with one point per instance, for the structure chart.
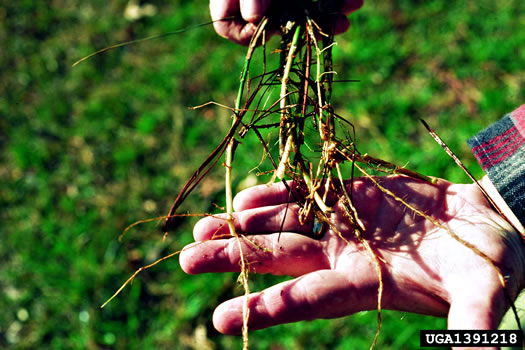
(85, 151)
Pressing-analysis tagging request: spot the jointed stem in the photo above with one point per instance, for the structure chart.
(228, 179)
(318, 200)
(284, 128)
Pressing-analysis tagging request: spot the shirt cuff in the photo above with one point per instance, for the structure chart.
(500, 150)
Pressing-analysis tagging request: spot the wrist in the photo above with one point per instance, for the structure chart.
(511, 240)
(489, 187)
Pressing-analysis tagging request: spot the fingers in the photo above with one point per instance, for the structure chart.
(253, 10)
(262, 196)
(279, 254)
(341, 24)
(234, 29)
(245, 13)
(275, 194)
(350, 6)
(270, 219)
(220, 9)
(339, 20)
(237, 20)
(320, 294)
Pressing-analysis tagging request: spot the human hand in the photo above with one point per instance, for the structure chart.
(424, 269)
(248, 13)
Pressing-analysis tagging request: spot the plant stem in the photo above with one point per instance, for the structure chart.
(284, 129)
(228, 179)
(309, 183)
(230, 147)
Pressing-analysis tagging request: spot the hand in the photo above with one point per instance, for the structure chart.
(424, 269)
(249, 12)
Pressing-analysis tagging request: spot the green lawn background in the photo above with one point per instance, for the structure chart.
(85, 151)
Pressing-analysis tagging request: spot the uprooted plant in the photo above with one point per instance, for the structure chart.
(315, 146)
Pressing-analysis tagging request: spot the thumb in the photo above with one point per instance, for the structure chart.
(477, 309)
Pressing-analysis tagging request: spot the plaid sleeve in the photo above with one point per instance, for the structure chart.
(500, 150)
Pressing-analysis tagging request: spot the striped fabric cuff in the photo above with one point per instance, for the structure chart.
(500, 150)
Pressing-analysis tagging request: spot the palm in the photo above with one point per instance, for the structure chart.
(425, 270)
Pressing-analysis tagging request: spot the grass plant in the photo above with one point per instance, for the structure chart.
(88, 150)
(303, 99)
